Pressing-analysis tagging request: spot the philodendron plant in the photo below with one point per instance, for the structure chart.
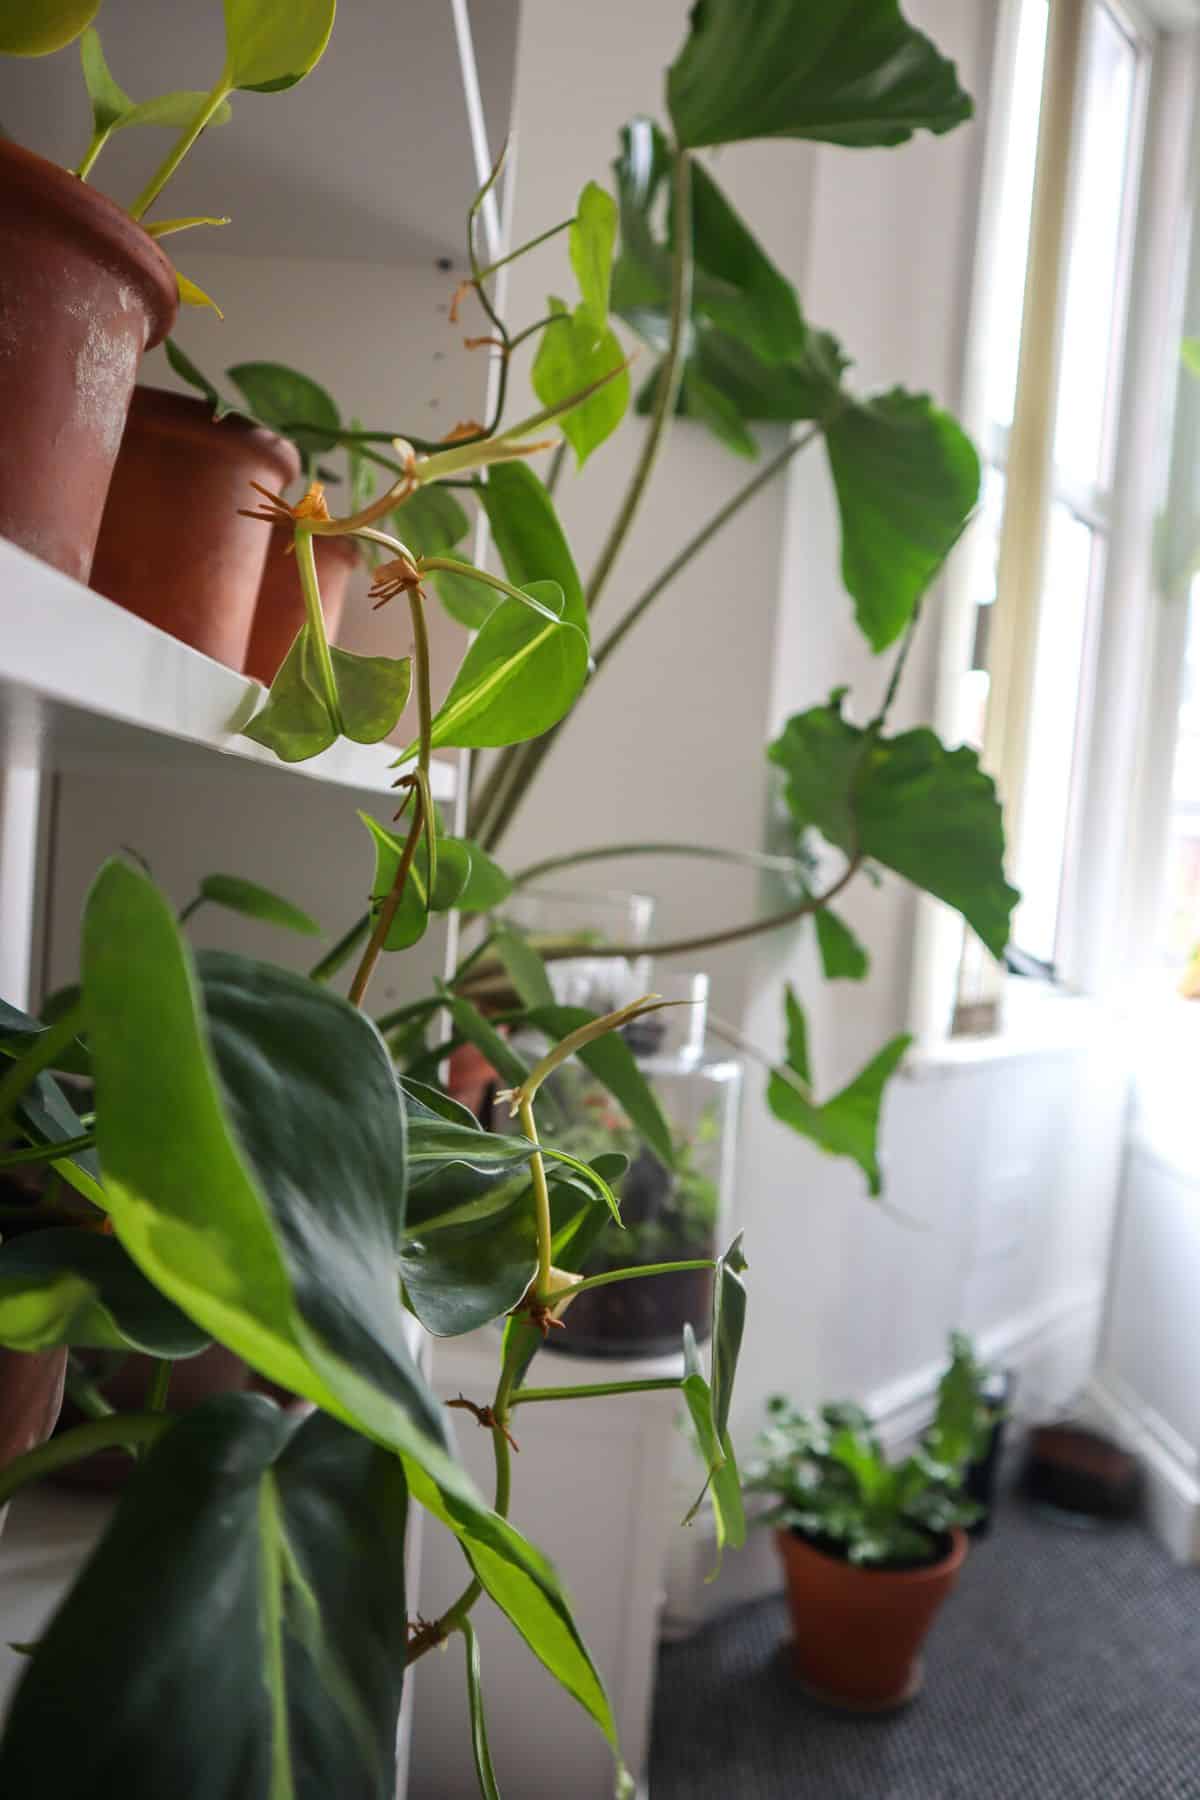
(270, 45)
(263, 1165)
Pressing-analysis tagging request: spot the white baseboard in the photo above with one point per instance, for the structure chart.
(1050, 1348)
(1172, 1486)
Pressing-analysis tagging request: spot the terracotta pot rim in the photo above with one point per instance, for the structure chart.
(791, 1541)
(185, 415)
(119, 242)
(326, 546)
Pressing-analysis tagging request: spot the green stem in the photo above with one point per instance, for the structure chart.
(42, 1054)
(670, 376)
(306, 563)
(160, 1383)
(431, 564)
(193, 906)
(387, 911)
(183, 144)
(342, 951)
(541, 1202)
(611, 1275)
(483, 274)
(416, 606)
(39, 1153)
(532, 330)
(751, 859)
(597, 1390)
(129, 1431)
(85, 1394)
(92, 152)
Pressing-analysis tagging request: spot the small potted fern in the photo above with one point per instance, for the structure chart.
(871, 1548)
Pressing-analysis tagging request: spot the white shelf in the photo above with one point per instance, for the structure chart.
(83, 681)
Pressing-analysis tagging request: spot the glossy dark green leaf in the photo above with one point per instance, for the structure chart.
(728, 1324)
(431, 521)
(848, 1124)
(468, 602)
(430, 1099)
(484, 1772)
(519, 677)
(592, 237)
(842, 956)
(288, 401)
(528, 536)
(256, 902)
(17, 1029)
(463, 1275)
(264, 1561)
(907, 480)
(722, 1482)
(615, 1067)
(570, 357)
(849, 72)
(929, 813)
(525, 967)
(273, 44)
(49, 1117)
(71, 1286)
(39, 27)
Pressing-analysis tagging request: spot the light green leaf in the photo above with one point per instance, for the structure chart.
(263, 1556)
(487, 884)
(722, 1482)
(291, 403)
(485, 1774)
(528, 536)
(842, 956)
(728, 1324)
(411, 918)
(69, 1286)
(177, 110)
(852, 72)
(372, 692)
(468, 602)
(431, 521)
(295, 722)
(592, 236)
(570, 357)
(907, 481)
(255, 902)
(525, 967)
(160, 228)
(272, 44)
(519, 677)
(1190, 352)
(929, 813)
(615, 1067)
(109, 102)
(848, 1124)
(39, 27)
(192, 295)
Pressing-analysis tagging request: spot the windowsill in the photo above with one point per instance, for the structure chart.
(1040, 1019)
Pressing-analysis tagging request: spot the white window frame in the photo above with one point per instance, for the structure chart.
(1096, 913)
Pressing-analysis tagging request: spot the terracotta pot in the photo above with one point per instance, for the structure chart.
(83, 292)
(31, 1391)
(172, 547)
(857, 1633)
(471, 1080)
(279, 613)
(193, 1379)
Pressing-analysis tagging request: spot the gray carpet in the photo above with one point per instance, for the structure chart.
(1065, 1667)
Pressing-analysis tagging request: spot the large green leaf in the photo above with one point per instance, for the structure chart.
(907, 481)
(272, 44)
(592, 236)
(39, 27)
(296, 722)
(613, 1064)
(284, 398)
(463, 1275)
(263, 1561)
(570, 358)
(847, 1124)
(848, 72)
(255, 1172)
(929, 813)
(526, 531)
(253, 901)
(77, 1287)
(519, 677)
(722, 1482)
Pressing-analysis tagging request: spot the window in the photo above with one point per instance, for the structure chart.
(1048, 334)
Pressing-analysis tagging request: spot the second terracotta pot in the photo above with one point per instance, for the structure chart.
(858, 1632)
(193, 1379)
(31, 1391)
(172, 546)
(279, 613)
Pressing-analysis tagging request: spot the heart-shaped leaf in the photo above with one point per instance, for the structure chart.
(842, 956)
(848, 72)
(592, 237)
(519, 677)
(39, 27)
(929, 813)
(238, 895)
(571, 357)
(847, 1124)
(298, 1649)
(411, 918)
(372, 693)
(291, 403)
(296, 722)
(464, 1275)
(487, 884)
(81, 1288)
(273, 44)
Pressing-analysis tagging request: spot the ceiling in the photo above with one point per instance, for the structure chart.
(369, 159)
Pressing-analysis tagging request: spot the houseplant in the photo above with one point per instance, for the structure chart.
(257, 1172)
(86, 287)
(870, 1548)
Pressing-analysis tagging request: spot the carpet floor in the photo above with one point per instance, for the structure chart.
(1065, 1667)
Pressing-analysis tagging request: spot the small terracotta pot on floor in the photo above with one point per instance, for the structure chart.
(31, 1391)
(857, 1632)
(172, 546)
(83, 293)
(279, 612)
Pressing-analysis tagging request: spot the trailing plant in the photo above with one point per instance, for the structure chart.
(268, 1167)
(270, 45)
(833, 1483)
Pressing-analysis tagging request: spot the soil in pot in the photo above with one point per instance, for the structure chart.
(172, 546)
(123, 1381)
(857, 1632)
(279, 613)
(83, 292)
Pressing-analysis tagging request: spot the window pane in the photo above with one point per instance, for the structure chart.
(1182, 913)
(981, 554)
(1011, 249)
(1094, 283)
(1074, 553)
